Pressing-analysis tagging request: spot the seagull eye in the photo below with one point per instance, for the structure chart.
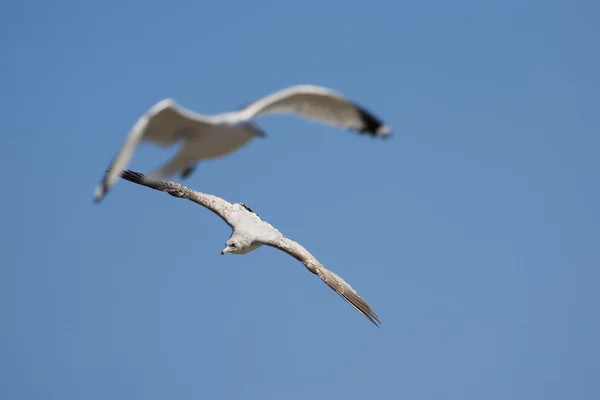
(232, 245)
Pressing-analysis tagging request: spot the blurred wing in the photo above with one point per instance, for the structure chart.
(164, 124)
(319, 104)
(332, 280)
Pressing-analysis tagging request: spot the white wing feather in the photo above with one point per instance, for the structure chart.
(164, 124)
(318, 104)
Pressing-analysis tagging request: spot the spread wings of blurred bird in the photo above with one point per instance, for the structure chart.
(249, 232)
(211, 136)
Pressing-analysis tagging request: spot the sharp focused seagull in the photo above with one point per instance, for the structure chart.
(212, 136)
(249, 232)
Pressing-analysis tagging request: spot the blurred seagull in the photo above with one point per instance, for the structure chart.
(212, 136)
(249, 232)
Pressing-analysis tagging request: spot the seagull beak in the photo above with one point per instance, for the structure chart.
(225, 250)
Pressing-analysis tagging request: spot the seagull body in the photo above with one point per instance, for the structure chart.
(249, 232)
(212, 136)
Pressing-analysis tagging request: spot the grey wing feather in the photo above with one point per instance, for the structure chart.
(319, 104)
(219, 206)
(334, 281)
(346, 291)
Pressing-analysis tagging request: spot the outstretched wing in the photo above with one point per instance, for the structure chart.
(319, 104)
(219, 206)
(332, 280)
(342, 288)
(164, 124)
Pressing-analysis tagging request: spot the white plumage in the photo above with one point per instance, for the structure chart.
(205, 136)
(249, 232)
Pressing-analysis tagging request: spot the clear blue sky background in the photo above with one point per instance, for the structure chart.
(474, 232)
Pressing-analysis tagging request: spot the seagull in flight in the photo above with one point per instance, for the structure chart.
(249, 232)
(212, 136)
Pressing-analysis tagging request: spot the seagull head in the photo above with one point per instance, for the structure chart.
(237, 245)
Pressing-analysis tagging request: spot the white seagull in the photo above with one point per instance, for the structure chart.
(249, 232)
(211, 136)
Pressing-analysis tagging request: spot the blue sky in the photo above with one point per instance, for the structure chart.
(474, 232)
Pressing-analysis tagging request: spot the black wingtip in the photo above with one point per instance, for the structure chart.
(128, 175)
(372, 125)
(132, 176)
(373, 317)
